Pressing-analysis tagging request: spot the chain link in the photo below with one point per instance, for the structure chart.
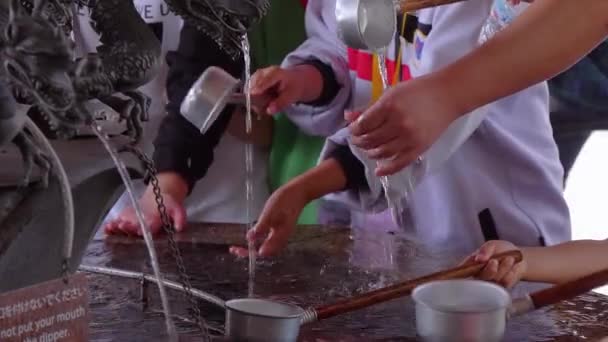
(167, 224)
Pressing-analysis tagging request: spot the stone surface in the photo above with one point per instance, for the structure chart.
(321, 264)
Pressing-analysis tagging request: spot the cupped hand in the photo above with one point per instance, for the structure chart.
(276, 224)
(399, 127)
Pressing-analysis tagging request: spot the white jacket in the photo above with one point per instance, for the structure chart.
(501, 157)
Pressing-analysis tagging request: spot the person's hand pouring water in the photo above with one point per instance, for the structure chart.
(399, 127)
(286, 86)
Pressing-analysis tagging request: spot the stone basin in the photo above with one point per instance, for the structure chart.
(321, 264)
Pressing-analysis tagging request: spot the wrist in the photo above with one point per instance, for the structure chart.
(453, 97)
(310, 80)
(171, 184)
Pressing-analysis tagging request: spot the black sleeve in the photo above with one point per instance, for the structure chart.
(179, 146)
(353, 168)
(331, 87)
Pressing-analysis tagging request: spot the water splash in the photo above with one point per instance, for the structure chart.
(249, 160)
(122, 170)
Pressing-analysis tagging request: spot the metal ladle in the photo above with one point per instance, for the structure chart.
(477, 311)
(210, 94)
(371, 24)
(257, 320)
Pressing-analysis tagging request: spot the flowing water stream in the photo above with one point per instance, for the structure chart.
(395, 205)
(249, 160)
(171, 331)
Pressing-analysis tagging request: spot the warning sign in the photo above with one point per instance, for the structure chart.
(49, 312)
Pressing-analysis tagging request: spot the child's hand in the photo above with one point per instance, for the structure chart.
(506, 273)
(277, 221)
(402, 124)
(302, 83)
(126, 223)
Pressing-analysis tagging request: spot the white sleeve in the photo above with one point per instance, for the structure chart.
(322, 44)
(402, 184)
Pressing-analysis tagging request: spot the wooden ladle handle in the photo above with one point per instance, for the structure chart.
(569, 290)
(407, 6)
(406, 288)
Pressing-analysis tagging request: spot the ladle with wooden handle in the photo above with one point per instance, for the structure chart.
(476, 311)
(398, 290)
(255, 319)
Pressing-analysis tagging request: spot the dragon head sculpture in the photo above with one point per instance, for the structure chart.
(226, 21)
(38, 56)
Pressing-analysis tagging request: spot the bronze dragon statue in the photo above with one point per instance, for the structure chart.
(39, 67)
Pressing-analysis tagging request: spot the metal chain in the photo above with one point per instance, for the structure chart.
(167, 224)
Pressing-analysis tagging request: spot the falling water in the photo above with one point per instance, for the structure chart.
(171, 331)
(249, 160)
(395, 206)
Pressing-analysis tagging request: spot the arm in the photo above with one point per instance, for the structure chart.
(565, 262)
(323, 114)
(279, 217)
(543, 47)
(180, 149)
(535, 47)
(339, 172)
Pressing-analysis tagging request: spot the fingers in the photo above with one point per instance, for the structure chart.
(505, 272)
(504, 267)
(128, 224)
(240, 252)
(489, 271)
(275, 242)
(271, 82)
(351, 116)
(122, 225)
(387, 150)
(264, 79)
(111, 226)
(513, 276)
(178, 214)
(368, 121)
(485, 252)
(286, 97)
(378, 137)
(396, 163)
(261, 229)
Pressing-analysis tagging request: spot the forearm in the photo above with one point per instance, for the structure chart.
(546, 39)
(340, 171)
(565, 262)
(179, 147)
(323, 179)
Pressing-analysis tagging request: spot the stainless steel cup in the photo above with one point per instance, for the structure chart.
(207, 97)
(461, 311)
(366, 24)
(262, 320)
